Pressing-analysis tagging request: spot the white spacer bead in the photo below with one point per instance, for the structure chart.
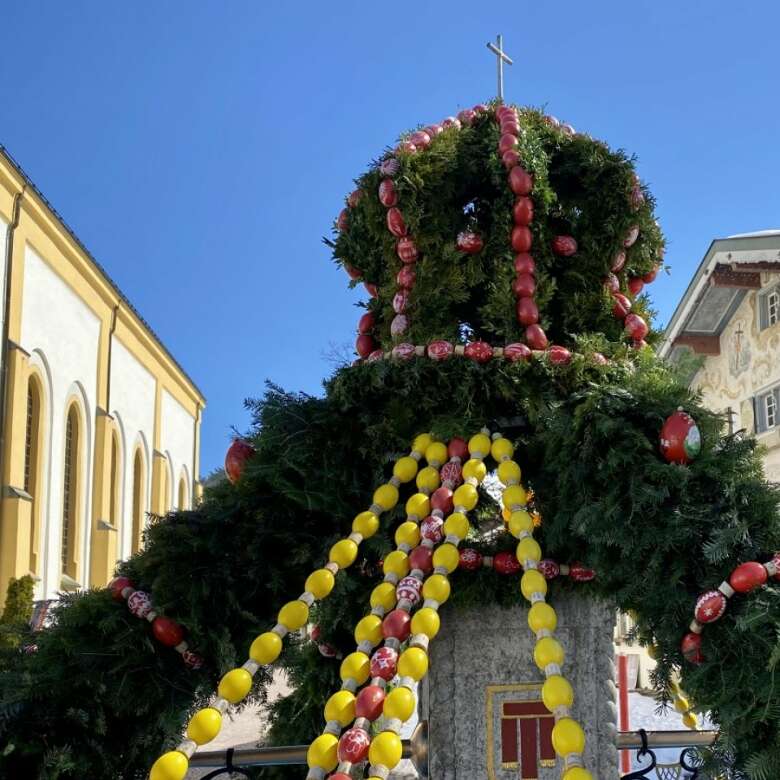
(151, 615)
(393, 724)
(529, 564)
(376, 509)
(696, 627)
(429, 543)
(379, 611)
(498, 352)
(438, 513)
(382, 683)
(561, 711)
(394, 481)
(307, 598)
(126, 592)
(459, 350)
(332, 567)
(511, 482)
(220, 704)
(536, 597)
(564, 567)
(518, 507)
(188, 747)
(392, 642)
(572, 760)
(413, 518)
(726, 589)
(404, 547)
(350, 684)
(280, 630)
(487, 561)
(366, 646)
(543, 632)
(441, 570)
(407, 682)
(379, 771)
(478, 455)
(250, 666)
(332, 727)
(460, 508)
(771, 568)
(404, 604)
(431, 604)
(452, 539)
(473, 481)
(315, 773)
(552, 669)
(416, 455)
(419, 350)
(365, 723)
(425, 491)
(486, 431)
(356, 537)
(523, 535)
(391, 577)
(345, 767)
(181, 647)
(418, 574)
(455, 459)
(421, 641)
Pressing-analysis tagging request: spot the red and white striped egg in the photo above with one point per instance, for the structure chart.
(409, 588)
(430, 528)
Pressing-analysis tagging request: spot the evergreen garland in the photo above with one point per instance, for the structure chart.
(101, 699)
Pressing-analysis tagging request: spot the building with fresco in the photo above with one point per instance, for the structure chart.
(99, 425)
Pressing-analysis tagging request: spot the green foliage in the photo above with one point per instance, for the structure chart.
(581, 188)
(18, 611)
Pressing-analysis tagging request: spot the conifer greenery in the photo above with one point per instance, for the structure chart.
(101, 699)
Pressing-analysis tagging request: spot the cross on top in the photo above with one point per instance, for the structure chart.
(498, 49)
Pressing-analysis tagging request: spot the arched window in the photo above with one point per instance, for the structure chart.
(32, 463)
(71, 492)
(138, 501)
(114, 509)
(182, 494)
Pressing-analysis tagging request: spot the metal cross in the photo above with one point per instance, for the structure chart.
(498, 49)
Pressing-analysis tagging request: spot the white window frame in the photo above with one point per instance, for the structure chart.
(766, 409)
(769, 308)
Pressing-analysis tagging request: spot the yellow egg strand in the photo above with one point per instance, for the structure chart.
(385, 748)
(234, 686)
(683, 705)
(568, 737)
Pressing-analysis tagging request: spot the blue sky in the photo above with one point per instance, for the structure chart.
(202, 149)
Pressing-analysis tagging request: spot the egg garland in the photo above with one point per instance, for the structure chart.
(711, 605)
(329, 751)
(236, 684)
(680, 439)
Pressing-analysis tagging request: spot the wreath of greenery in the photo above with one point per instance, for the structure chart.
(100, 699)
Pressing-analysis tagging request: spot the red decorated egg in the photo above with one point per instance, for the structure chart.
(400, 302)
(507, 141)
(478, 351)
(387, 194)
(369, 702)
(745, 577)
(440, 350)
(451, 474)
(524, 286)
(559, 356)
(521, 239)
(553, 121)
(327, 650)
(397, 625)
(635, 285)
(239, 452)
(621, 306)
(166, 631)
(528, 313)
(618, 261)
(549, 568)
(315, 633)
(691, 648)
(192, 660)
(407, 250)
(354, 273)
(384, 662)
(680, 438)
(449, 122)
(354, 198)
(635, 327)
(406, 277)
(342, 223)
(535, 337)
(442, 499)
(599, 359)
(420, 139)
(433, 130)
(470, 559)
(564, 246)
(612, 283)
(139, 603)
(458, 448)
(580, 573)
(510, 159)
(430, 528)
(118, 584)
(469, 242)
(399, 325)
(377, 354)
(410, 588)
(467, 116)
(407, 146)
(506, 563)
(650, 276)
(516, 352)
(524, 264)
(523, 211)
(366, 323)
(395, 222)
(404, 351)
(421, 558)
(389, 167)
(710, 606)
(631, 236)
(480, 108)
(568, 130)
(776, 562)
(637, 197)
(364, 345)
(353, 745)
(371, 289)
(520, 181)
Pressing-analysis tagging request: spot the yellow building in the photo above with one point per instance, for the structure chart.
(99, 425)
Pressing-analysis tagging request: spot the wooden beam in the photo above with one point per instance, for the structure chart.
(763, 265)
(700, 343)
(734, 277)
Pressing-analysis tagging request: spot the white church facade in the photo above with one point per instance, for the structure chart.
(99, 425)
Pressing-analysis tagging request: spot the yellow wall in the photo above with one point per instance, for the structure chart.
(39, 229)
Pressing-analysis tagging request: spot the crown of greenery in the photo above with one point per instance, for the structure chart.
(459, 183)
